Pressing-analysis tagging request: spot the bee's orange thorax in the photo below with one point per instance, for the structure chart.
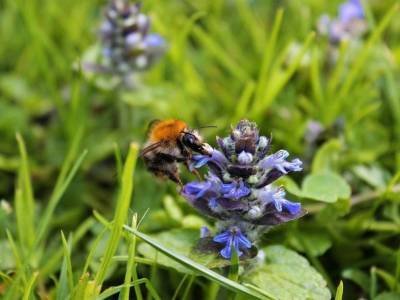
(167, 130)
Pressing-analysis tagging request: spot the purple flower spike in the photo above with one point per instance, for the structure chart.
(205, 232)
(232, 237)
(238, 192)
(278, 161)
(235, 190)
(277, 198)
(351, 10)
(196, 190)
(125, 34)
(217, 162)
(154, 41)
(350, 23)
(245, 158)
(199, 160)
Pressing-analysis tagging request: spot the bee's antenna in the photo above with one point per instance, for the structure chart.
(207, 126)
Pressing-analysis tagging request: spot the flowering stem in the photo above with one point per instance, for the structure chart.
(188, 287)
(234, 268)
(178, 289)
(123, 114)
(237, 191)
(357, 199)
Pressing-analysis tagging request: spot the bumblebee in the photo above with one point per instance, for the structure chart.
(171, 142)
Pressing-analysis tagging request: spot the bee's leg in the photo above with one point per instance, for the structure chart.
(174, 176)
(172, 172)
(193, 171)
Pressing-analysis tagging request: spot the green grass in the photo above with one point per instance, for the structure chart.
(78, 208)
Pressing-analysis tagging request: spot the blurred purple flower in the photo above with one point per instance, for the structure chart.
(127, 45)
(349, 24)
(350, 11)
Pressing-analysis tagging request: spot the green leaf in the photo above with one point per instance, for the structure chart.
(317, 241)
(172, 209)
(327, 157)
(326, 187)
(333, 211)
(388, 296)
(373, 175)
(287, 275)
(358, 277)
(290, 186)
(193, 222)
(181, 241)
(177, 240)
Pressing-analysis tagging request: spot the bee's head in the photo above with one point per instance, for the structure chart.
(192, 140)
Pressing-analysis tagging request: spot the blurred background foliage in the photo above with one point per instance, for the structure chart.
(226, 60)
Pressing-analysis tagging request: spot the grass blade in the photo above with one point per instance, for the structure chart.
(56, 197)
(362, 57)
(316, 84)
(244, 100)
(123, 203)
(251, 24)
(131, 266)
(67, 246)
(52, 261)
(339, 291)
(278, 81)
(30, 285)
(116, 289)
(220, 54)
(25, 201)
(93, 250)
(65, 284)
(268, 54)
(180, 285)
(118, 161)
(15, 287)
(188, 288)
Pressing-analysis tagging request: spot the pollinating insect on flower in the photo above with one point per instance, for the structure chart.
(238, 190)
(349, 24)
(127, 45)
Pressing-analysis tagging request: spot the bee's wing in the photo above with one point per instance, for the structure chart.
(151, 148)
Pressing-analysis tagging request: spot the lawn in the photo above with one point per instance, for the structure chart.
(297, 107)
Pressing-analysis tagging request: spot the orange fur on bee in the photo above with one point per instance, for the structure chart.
(167, 130)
